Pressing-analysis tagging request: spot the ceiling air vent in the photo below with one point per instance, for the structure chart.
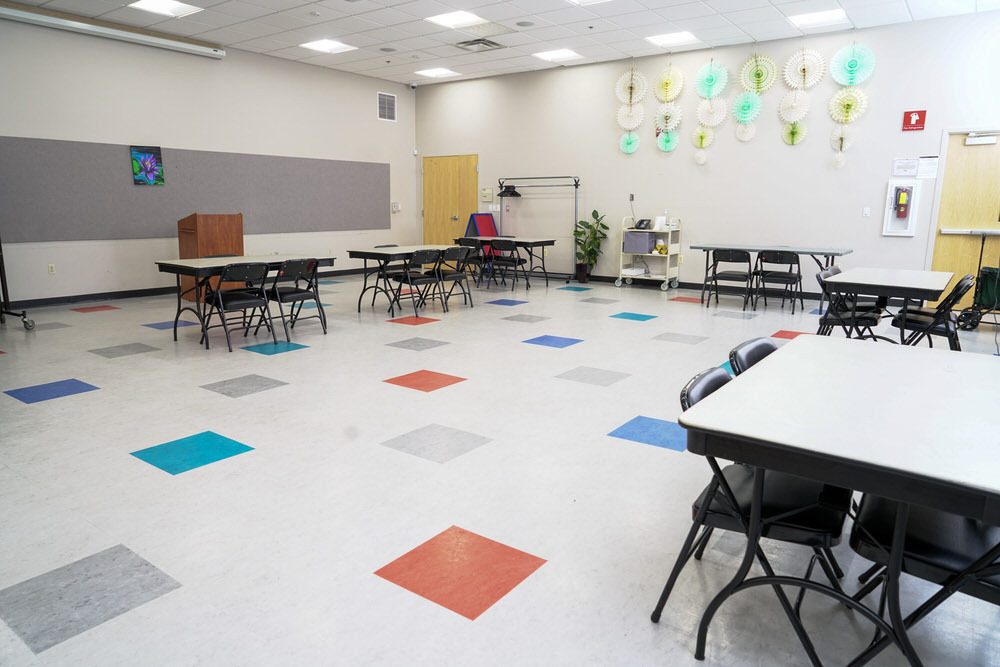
(387, 107)
(479, 45)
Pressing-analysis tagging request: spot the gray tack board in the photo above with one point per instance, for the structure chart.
(71, 190)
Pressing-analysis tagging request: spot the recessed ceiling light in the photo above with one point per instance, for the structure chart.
(583, 3)
(456, 20)
(328, 46)
(524, 24)
(673, 39)
(558, 56)
(437, 72)
(387, 49)
(165, 7)
(815, 19)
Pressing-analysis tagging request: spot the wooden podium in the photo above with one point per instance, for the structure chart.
(205, 235)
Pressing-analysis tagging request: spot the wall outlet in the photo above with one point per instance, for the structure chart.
(52, 269)
(395, 207)
(545, 252)
(866, 211)
(680, 259)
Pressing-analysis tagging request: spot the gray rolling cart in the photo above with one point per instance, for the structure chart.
(639, 258)
(5, 309)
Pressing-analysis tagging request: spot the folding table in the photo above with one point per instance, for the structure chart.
(529, 244)
(384, 256)
(948, 458)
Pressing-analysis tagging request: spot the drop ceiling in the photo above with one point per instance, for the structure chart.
(394, 41)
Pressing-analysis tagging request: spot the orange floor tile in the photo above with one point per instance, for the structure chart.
(425, 380)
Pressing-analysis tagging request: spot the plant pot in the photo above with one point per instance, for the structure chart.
(583, 272)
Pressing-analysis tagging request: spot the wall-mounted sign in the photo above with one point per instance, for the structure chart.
(914, 120)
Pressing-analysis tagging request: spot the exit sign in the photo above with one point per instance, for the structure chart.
(914, 120)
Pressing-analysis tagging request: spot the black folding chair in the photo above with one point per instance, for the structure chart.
(455, 270)
(926, 322)
(507, 258)
(476, 261)
(845, 312)
(421, 283)
(727, 256)
(789, 277)
(296, 283)
(250, 297)
(746, 354)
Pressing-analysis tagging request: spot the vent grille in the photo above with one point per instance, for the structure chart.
(387, 107)
(478, 45)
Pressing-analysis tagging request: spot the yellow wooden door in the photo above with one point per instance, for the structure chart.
(970, 199)
(450, 196)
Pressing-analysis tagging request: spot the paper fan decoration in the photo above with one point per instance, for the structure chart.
(839, 160)
(852, 65)
(746, 131)
(841, 139)
(667, 141)
(702, 136)
(630, 116)
(758, 73)
(629, 143)
(669, 84)
(793, 133)
(631, 87)
(746, 108)
(700, 157)
(711, 80)
(804, 69)
(668, 116)
(712, 113)
(793, 106)
(848, 104)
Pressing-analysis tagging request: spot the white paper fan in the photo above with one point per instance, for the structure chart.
(841, 138)
(758, 73)
(669, 84)
(631, 87)
(745, 131)
(630, 116)
(700, 157)
(804, 69)
(712, 113)
(839, 160)
(702, 136)
(794, 106)
(848, 104)
(668, 116)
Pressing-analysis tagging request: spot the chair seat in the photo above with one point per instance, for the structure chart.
(238, 300)
(820, 525)
(740, 276)
(938, 544)
(867, 318)
(509, 261)
(924, 322)
(285, 294)
(779, 277)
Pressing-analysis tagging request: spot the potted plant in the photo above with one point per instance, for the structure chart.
(588, 235)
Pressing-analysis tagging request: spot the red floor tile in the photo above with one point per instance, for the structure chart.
(686, 299)
(414, 321)
(790, 334)
(94, 309)
(425, 380)
(461, 571)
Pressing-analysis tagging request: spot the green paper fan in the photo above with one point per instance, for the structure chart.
(758, 73)
(793, 133)
(629, 143)
(711, 80)
(847, 105)
(702, 136)
(667, 141)
(852, 65)
(746, 108)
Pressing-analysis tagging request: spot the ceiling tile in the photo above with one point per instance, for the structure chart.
(637, 19)
(355, 7)
(282, 21)
(419, 27)
(88, 8)
(571, 14)
(616, 8)
(500, 12)
(552, 32)
(881, 14)
(592, 27)
(808, 7)
(240, 10)
(661, 4)
(424, 8)
(385, 35)
(661, 28)
(711, 35)
(766, 30)
(759, 15)
(686, 11)
(411, 43)
(703, 23)
(726, 41)
(278, 5)
(387, 16)
(130, 16)
(223, 36)
(723, 6)
(537, 6)
(930, 9)
(261, 44)
(515, 39)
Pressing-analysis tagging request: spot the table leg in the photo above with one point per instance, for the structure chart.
(381, 284)
(704, 283)
(893, 573)
(181, 308)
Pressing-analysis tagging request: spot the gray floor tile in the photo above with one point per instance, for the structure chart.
(686, 339)
(598, 299)
(527, 318)
(737, 316)
(437, 443)
(123, 350)
(597, 376)
(418, 344)
(48, 326)
(53, 607)
(243, 386)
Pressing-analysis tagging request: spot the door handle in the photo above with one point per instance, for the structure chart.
(454, 217)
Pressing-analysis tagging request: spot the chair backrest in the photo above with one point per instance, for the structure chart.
(429, 256)
(948, 303)
(251, 274)
(834, 270)
(456, 253)
(728, 255)
(296, 269)
(778, 257)
(503, 245)
(701, 385)
(748, 353)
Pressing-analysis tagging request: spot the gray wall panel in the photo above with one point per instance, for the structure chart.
(70, 190)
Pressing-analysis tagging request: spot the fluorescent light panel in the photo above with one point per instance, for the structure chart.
(673, 39)
(815, 19)
(437, 72)
(165, 7)
(456, 20)
(328, 46)
(558, 56)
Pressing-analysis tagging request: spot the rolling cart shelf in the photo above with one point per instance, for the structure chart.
(666, 272)
(5, 299)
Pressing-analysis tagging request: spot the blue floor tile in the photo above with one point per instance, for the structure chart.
(50, 390)
(191, 452)
(271, 348)
(329, 282)
(312, 304)
(815, 311)
(727, 367)
(638, 317)
(656, 432)
(574, 288)
(170, 324)
(553, 341)
(506, 302)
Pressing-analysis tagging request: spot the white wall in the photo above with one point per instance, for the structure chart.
(561, 121)
(61, 85)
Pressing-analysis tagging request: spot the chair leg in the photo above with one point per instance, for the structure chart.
(682, 559)
(284, 322)
(225, 327)
(701, 547)
(833, 562)
(270, 324)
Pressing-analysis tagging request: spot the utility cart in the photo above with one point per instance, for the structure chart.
(649, 254)
(986, 298)
(5, 308)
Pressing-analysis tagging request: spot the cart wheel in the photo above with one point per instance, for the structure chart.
(664, 286)
(628, 281)
(675, 282)
(29, 325)
(968, 319)
(618, 283)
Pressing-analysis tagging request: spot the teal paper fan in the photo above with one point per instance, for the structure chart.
(629, 143)
(852, 65)
(667, 141)
(711, 80)
(746, 108)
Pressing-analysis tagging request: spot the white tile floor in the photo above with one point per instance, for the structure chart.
(275, 549)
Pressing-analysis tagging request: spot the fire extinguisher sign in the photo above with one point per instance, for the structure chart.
(914, 120)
